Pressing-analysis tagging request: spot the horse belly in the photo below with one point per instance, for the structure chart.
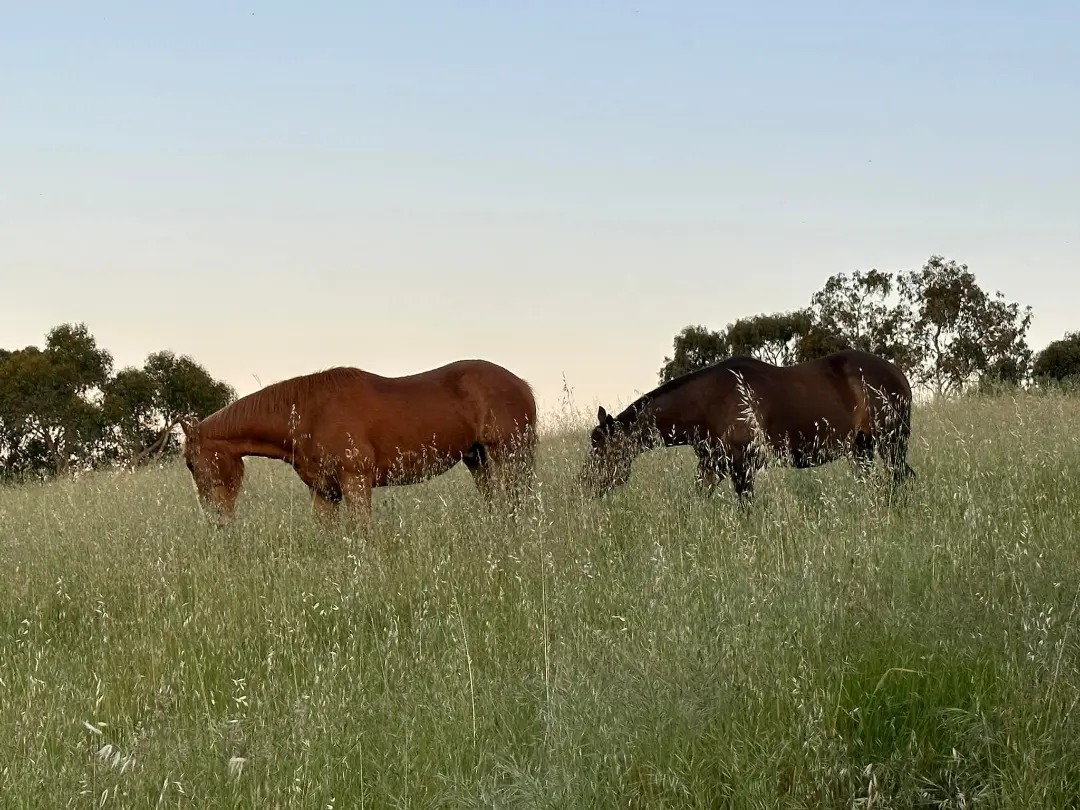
(413, 468)
(814, 439)
(409, 460)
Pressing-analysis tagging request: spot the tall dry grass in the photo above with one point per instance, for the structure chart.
(829, 647)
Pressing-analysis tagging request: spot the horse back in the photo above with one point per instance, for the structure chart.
(501, 404)
(876, 391)
(451, 407)
(841, 393)
(873, 378)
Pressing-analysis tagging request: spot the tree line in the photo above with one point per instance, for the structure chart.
(63, 406)
(936, 323)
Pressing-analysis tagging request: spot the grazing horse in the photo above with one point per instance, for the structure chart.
(846, 404)
(345, 431)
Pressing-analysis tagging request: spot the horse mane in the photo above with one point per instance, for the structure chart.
(281, 396)
(635, 407)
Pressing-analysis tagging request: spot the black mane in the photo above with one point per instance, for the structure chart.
(635, 407)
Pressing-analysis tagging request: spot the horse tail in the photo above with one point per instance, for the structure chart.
(883, 404)
(897, 406)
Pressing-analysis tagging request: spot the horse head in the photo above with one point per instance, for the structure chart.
(216, 471)
(611, 452)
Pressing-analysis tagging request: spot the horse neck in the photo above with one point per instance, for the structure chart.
(640, 418)
(250, 431)
(660, 427)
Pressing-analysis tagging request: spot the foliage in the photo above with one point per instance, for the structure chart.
(1059, 362)
(779, 338)
(146, 404)
(775, 338)
(936, 323)
(960, 332)
(62, 405)
(695, 347)
(184, 388)
(828, 648)
(861, 311)
(48, 400)
(129, 405)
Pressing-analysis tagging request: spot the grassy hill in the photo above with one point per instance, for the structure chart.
(829, 647)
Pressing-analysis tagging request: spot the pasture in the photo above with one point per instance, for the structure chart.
(831, 646)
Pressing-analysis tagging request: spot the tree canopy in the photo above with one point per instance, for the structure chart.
(63, 405)
(1059, 362)
(936, 323)
(695, 347)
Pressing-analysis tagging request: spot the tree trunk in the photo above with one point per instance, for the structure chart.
(55, 446)
(154, 449)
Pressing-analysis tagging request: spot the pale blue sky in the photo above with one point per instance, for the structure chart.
(559, 187)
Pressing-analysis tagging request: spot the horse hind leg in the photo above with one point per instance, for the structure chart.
(356, 498)
(897, 460)
(520, 470)
(326, 507)
(743, 467)
(503, 471)
(710, 471)
(478, 463)
(863, 454)
(894, 449)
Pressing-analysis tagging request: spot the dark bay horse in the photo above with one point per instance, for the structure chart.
(735, 413)
(346, 431)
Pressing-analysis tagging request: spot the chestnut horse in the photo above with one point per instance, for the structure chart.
(735, 412)
(346, 431)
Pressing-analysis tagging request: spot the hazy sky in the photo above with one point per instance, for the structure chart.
(559, 187)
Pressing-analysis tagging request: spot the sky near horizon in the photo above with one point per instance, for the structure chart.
(559, 187)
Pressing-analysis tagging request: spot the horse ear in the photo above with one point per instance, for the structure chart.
(601, 415)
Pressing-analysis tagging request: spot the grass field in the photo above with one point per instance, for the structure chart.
(830, 647)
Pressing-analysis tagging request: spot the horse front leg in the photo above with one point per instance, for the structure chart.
(894, 452)
(356, 498)
(479, 464)
(862, 453)
(518, 472)
(502, 472)
(326, 508)
(710, 470)
(743, 468)
(325, 495)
